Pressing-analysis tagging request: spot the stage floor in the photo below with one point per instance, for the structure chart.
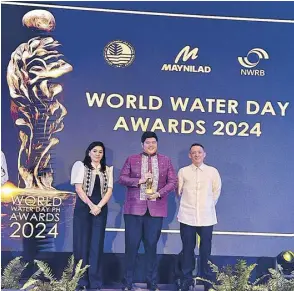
(142, 287)
(138, 288)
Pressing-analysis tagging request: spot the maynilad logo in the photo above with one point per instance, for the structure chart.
(180, 64)
(251, 61)
(119, 53)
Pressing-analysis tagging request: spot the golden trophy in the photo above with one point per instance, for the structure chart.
(149, 189)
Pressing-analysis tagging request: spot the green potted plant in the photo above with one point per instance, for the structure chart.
(12, 274)
(44, 280)
(235, 278)
(278, 282)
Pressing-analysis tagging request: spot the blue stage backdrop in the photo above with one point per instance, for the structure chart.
(226, 84)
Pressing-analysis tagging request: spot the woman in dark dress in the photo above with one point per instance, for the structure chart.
(93, 182)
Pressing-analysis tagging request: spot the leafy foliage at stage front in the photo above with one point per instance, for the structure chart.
(235, 278)
(12, 274)
(44, 280)
(278, 282)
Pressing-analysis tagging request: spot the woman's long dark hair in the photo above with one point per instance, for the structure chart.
(87, 160)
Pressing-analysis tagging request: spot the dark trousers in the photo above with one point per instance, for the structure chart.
(188, 236)
(88, 244)
(148, 229)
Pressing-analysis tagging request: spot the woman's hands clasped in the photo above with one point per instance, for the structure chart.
(95, 210)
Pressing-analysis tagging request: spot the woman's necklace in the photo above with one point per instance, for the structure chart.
(97, 168)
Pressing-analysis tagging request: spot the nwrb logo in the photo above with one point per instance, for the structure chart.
(251, 61)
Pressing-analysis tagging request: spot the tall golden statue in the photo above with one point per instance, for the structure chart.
(32, 79)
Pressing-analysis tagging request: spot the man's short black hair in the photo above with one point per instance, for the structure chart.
(197, 144)
(148, 134)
